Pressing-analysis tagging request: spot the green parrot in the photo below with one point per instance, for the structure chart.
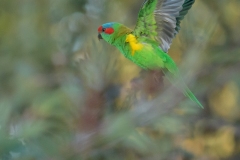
(147, 45)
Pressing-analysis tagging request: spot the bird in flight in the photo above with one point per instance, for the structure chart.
(147, 45)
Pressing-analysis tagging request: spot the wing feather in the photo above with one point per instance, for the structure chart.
(159, 20)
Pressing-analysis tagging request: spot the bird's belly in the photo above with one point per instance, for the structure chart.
(147, 58)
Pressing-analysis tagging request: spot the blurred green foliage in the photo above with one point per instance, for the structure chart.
(65, 95)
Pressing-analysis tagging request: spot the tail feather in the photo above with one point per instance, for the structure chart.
(177, 80)
(191, 96)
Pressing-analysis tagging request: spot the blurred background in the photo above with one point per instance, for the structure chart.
(66, 95)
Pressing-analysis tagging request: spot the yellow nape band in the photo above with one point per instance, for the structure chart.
(135, 46)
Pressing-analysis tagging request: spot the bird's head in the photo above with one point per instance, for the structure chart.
(107, 31)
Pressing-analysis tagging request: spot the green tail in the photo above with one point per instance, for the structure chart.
(190, 95)
(177, 80)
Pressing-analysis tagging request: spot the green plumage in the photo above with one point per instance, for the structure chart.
(147, 45)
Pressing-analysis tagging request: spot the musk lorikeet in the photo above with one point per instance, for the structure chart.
(147, 45)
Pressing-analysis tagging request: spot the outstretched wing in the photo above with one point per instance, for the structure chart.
(159, 20)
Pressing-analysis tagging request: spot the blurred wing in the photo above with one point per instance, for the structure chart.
(159, 20)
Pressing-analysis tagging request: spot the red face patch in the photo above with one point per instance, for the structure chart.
(105, 30)
(109, 30)
(100, 29)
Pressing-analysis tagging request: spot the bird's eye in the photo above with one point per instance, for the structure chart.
(103, 29)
